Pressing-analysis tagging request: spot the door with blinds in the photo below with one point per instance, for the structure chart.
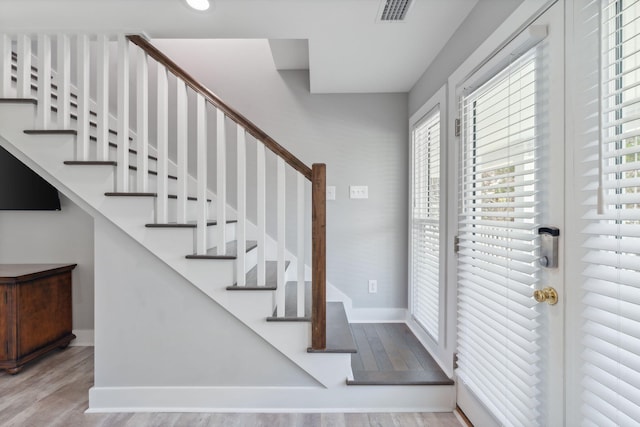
(510, 179)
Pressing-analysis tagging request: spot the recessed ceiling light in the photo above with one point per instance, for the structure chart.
(199, 4)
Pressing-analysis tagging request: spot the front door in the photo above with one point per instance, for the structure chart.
(511, 192)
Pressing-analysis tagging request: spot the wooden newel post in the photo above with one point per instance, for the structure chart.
(319, 273)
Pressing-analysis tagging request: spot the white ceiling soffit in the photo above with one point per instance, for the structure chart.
(290, 54)
(350, 50)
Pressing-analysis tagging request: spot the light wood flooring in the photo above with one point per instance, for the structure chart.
(53, 391)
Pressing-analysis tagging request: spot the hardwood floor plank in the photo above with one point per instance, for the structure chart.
(364, 349)
(391, 348)
(308, 420)
(369, 330)
(356, 362)
(418, 350)
(441, 419)
(333, 420)
(380, 420)
(406, 419)
(356, 420)
(403, 349)
(382, 359)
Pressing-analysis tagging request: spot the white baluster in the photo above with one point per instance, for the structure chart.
(24, 66)
(123, 113)
(163, 146)
(102, 98)
(63, 81)
(201, 141)
(280, 292)
(142, 122)
(182, 142)
(83, 98)
(300, 245)
(44, 82)
(241, 233)
(5, 66)
(261, 212)
(221, 170)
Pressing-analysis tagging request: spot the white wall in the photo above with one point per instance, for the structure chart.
(362, 139)
(52, 237)
(154, 328)
(483, 19)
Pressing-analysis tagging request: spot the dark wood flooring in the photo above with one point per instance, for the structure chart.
(389, 354)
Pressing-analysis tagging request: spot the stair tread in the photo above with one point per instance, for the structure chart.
(339, 335)
(18, 101)
(129, 194)
(89, 163)
(51, 132)
(412, 377)
(271, 278)
(189, 224)
(231, 251)
(291, 304)
(134, 194)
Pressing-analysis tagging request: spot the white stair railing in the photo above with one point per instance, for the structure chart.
(63, 105)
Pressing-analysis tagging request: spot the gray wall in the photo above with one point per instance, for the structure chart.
(52, 237)
(154, 328)
(362, 139)
(483, 19)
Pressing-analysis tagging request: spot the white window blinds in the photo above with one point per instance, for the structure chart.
(425, 233)
(499, 329)
(611, 301)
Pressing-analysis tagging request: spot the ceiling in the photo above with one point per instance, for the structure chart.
(349, 51)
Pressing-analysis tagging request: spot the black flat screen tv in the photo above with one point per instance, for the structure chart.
(22, 189)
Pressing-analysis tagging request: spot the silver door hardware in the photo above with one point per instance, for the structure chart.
(549, 246)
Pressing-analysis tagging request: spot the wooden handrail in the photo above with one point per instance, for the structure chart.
(318, 256)
(254, 130)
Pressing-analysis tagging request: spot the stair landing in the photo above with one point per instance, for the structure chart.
(389, 354)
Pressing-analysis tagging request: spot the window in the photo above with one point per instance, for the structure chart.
(425, 223)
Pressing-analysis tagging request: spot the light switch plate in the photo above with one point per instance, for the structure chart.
(359, 192)
(331, 192)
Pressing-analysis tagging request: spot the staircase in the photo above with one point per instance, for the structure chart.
(105, 162)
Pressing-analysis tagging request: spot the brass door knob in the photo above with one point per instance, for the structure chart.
(548, 295)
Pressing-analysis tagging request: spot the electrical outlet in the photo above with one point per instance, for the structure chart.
(373, 286)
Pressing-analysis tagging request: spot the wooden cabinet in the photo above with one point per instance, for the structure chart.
(35, 312)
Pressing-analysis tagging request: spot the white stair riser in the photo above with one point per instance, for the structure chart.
(192, 206)
(212, 232)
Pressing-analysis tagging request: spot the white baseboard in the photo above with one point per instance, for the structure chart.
(84, 338)
(377, 315)
(273, 399)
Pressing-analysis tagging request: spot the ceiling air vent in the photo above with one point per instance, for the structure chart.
(394, 10)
